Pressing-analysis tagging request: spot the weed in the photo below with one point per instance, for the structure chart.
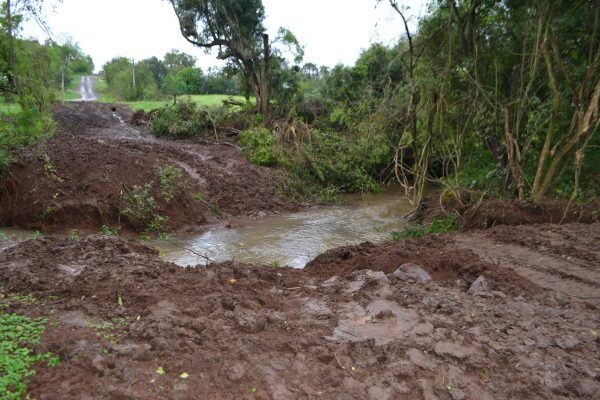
(50, 169)
(16, 297)
(198, 197)
(446, 224)
(108, 231)
(156, 225)
(171, 180)
(74, 234)
(275, 264)
(18, 335)
(164, 236)
(51, 209)
(37, 235)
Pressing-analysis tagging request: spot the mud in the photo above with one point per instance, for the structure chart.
(77, 178)
(477, 213)
(463, 321)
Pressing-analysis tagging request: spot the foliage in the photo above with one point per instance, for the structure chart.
(184, 119)
(171, 180)
(18, 335)
(129, 81)
(139, 205)
(235, 28)
(108, 231)
(259, 144)
(446, 224)
(174, 75)
(20, 129)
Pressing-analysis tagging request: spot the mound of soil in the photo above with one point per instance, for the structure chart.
(437, 254)
(502, 212)
(495, 212)
(127, 325)
(80, 177)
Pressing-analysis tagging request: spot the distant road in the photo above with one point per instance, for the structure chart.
(86, 89)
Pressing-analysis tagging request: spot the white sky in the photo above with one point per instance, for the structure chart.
(332, 31)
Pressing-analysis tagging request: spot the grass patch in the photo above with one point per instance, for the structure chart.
(446, 224)
(8, 107)
(18, 336)
(201, 100)
(72, 90)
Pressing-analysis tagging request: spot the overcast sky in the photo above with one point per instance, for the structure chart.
(332, 31)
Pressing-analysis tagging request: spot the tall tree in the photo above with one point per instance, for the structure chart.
(235, 28)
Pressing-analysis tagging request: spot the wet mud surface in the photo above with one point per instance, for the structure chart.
(460, 316)
(77, 179)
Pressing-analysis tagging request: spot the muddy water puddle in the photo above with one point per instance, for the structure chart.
(296, 238)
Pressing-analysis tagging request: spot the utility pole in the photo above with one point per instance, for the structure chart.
(133, 69)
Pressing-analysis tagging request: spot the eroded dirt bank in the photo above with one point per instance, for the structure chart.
(82, 177)
(337, 330)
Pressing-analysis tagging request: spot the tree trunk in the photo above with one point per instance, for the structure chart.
(11, 50)
(265, 80)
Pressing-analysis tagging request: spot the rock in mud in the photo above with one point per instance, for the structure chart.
(410, 270)
(568, 342)
(249, 321)
(450, 349)
(479, 286)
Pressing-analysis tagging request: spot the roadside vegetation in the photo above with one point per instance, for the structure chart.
(456, 107)
(19, 335)
(32, 77)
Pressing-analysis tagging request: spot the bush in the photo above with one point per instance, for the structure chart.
(171, 180)
(180, 120)
(259, 144)
(21, 129)
(139, 205)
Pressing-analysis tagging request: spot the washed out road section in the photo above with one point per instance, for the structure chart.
(86, 89)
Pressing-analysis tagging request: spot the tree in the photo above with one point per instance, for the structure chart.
(235, 28)
(175, 60)
(174, 85)
(158, 69)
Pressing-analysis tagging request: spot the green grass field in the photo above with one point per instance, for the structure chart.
(208, 100)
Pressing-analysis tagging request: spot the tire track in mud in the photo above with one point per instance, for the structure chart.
(556, 266)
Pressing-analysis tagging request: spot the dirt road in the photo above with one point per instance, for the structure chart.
(86, 89)
(79, 178)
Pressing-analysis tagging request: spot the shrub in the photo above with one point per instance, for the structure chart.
(180, 120)
(139, 205)
(21, 129)
(187, 119)
(259, 145)
(171, 180)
